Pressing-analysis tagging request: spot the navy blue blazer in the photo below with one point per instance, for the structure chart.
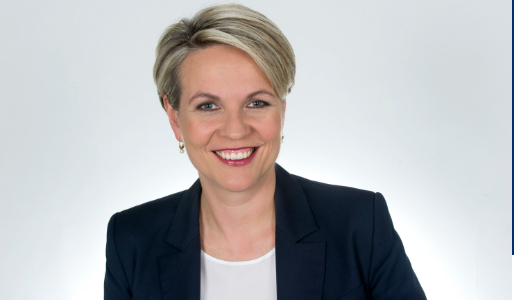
(332, 242)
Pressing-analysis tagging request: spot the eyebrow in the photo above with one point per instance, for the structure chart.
(213, 97)
(205, 95)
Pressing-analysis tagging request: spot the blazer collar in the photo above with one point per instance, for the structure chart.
(300, 265)
(185, 224)
(293, 213)
(179, 270)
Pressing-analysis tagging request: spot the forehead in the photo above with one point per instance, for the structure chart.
(222, 70)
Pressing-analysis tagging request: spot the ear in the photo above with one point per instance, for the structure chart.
(173, 118)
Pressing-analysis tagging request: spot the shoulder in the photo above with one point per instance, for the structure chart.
(147, 217)
(343, 207)
(335, 195)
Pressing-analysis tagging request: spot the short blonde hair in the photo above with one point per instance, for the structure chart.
(229, 24)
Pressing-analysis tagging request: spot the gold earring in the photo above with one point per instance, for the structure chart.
(181, 146)
(282, 140)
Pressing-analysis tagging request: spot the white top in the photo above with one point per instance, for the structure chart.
(230, 280)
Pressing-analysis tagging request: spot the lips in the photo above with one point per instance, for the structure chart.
(236, 157)
(238, 154)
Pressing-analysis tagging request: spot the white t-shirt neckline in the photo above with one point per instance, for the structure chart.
(238, 263)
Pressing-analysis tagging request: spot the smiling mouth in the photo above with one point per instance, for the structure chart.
(238, 154)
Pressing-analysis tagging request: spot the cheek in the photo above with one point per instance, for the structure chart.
(270, 128)
(197, 132)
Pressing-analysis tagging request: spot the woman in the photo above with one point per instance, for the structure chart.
(247, 229)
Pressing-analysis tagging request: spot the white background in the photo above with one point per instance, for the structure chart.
(409, 98)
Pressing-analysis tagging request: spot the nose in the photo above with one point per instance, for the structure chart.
(234, 126)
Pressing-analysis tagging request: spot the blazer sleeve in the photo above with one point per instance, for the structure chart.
(116, 285)
(391, 274)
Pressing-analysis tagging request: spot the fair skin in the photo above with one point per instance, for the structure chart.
(228, 106)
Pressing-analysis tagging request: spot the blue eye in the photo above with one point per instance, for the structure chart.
(257, 104)
(207, 106)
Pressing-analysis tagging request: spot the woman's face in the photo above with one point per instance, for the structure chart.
(230, 118)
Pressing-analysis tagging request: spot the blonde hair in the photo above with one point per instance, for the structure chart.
(229, 24)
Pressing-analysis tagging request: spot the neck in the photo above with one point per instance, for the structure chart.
(238, 222)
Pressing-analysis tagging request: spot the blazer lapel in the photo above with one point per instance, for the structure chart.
(180, 270)
(300, 265)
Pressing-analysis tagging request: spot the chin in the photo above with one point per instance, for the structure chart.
(236, 179)
(236, 183)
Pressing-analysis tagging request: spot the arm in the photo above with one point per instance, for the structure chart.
(116, 285)
(391, 274)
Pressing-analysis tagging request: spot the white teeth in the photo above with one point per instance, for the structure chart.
(235, 156)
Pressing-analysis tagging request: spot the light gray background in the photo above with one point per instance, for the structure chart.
(409, 98)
